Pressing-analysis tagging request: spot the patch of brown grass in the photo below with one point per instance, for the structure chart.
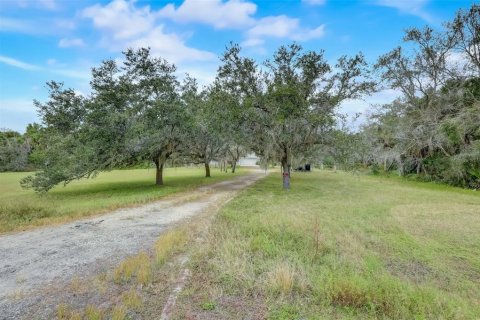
(285, 278)
(63, 311)
(168, 243)
(132, 300)
(119, 312)
(138, 266)
(93, 313)
(347, 294)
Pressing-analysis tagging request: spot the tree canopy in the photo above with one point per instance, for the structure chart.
(284, 109)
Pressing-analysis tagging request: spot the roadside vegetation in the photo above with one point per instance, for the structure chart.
(137, 288)
(21, 209)
(340, 246)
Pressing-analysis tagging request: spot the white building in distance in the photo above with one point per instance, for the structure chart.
(250, 160)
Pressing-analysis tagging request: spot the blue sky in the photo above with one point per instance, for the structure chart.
(42, 40)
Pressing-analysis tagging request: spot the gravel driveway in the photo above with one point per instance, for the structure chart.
(32, 260)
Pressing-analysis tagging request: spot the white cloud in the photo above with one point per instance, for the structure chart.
(275, 26)
(351, 107)
(75, 74)
(127, 24)
(70, 73)
(253, 42)
(170, 46)
(17, 105)
(67, 43)
(413, 7)
(39, 26)
(17, 25)
(40, 4)
(65, 24)
(217, 13)
(458, 61)
(281, 27)
(124, 25)
(314, 2)
(51, 62)
(204, 73)
(19, 64)
(17, 113)
(309, 34)
(48, 4)
(121, 19)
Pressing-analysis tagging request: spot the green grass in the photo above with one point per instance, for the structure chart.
(339, 246)
(21, 209)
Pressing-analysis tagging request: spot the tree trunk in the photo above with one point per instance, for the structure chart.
(159, 163)
(286, 173)
(207, 169)
(159, 173)
(234, 166)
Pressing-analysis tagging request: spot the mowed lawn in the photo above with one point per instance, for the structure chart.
(340, 246)
(21, 209)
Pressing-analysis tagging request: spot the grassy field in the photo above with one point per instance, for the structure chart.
(21, 209)
(339, 246)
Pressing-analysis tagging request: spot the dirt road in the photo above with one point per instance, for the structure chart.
(32, 260)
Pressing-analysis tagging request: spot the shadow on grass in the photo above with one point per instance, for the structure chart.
(20, 209)
(100, 189)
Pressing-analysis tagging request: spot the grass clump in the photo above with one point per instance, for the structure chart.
(208, 306)
(168, 243)
(132, 300)
(119, 312)
(63, 311)
(281, 278)
(138, 267)
(93, 313)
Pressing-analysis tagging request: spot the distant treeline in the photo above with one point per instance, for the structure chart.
(21, 152)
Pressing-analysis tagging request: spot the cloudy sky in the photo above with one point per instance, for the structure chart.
(42, 40)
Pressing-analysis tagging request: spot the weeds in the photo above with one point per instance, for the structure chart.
(281, 278)
(119, 312)
(168, 243)
(64, 312)
(132, 300)
(138, 266)
(93, 313)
